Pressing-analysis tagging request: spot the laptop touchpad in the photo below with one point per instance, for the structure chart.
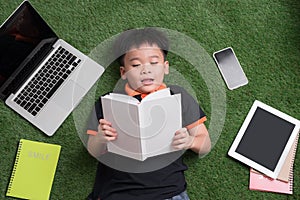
(69, 95)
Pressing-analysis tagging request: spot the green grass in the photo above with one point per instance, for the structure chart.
(265, 37)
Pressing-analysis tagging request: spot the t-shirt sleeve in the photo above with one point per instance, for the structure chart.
(95, 116)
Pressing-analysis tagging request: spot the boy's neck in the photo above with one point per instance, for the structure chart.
(132, 92)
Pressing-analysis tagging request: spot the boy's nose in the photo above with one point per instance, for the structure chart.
(145, 69)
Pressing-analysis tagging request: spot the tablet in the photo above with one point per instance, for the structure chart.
(264, 139)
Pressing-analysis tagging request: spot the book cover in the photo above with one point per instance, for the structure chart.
(145, 128)
(261, 182)
(34, 170)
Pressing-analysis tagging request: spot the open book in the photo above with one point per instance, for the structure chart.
(145, 128)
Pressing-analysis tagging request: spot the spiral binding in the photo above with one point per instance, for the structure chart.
(15, 168)
(291, 177)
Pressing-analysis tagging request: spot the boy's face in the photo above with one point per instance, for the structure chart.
(144, 68)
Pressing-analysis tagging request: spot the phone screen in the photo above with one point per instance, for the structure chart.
(230, 68)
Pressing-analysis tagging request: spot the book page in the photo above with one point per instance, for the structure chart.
(122, 98)
(125, 119)
(161, 118)
(158, 94)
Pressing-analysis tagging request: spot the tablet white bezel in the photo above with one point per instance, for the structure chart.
(232, 151)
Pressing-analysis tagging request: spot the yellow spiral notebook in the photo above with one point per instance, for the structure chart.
(33, 170)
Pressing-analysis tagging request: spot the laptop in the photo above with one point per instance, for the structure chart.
(42, 77)
(265, 139)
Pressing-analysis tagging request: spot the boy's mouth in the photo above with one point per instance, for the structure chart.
(147, 81)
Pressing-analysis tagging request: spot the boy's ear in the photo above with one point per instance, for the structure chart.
(166, 66)
(122, 72)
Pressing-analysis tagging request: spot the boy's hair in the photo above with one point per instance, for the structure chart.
(134, 38)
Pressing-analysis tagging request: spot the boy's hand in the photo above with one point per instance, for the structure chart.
(182, 139)
(106, 132)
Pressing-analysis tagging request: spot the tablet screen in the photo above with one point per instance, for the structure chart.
(265, 138)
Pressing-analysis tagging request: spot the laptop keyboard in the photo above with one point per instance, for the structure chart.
(47, 80)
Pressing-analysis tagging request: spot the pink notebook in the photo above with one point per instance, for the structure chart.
(261, 182)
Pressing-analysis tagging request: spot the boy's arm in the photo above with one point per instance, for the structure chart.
(95, 146)
(97, 142)
(201, 143)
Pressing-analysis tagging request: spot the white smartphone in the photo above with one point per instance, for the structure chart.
(230, 68)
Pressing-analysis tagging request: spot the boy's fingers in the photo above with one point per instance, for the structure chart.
(105, 126)
(179, 136)
(104, 122)
(181, 139)
(182, 133)
(178, 141)
(108, 128)
(178, 146)
(110, 138)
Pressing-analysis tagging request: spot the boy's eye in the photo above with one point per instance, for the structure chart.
(154, 63)
(136, 65)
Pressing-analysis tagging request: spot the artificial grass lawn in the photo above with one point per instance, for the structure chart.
(265, 37)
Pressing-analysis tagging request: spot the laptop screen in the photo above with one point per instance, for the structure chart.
(20, 35)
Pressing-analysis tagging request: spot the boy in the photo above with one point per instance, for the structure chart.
(142, 57)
